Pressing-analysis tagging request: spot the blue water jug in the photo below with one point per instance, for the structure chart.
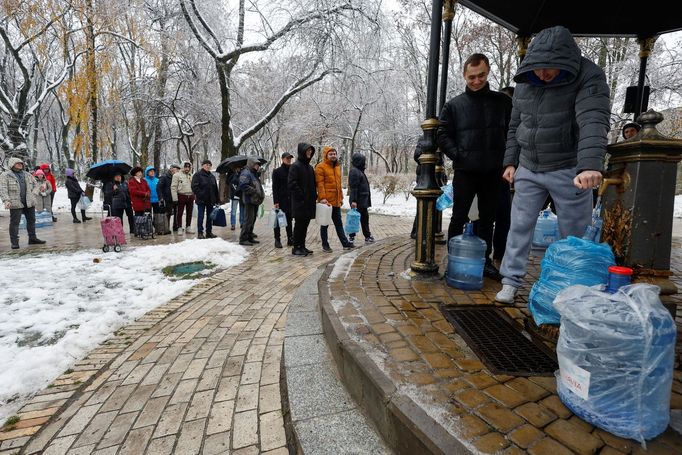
(616, 356)
(546, 229)
(43, 219)
(22, 222)
(466, 258)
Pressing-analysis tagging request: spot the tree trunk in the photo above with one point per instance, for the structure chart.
(227, 146)
(160, 94)
(92, 80)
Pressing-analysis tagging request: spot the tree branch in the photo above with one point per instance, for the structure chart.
(194, 29)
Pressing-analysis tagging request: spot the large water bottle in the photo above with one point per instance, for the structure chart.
(546, 229)
(43, 219)
(466, 258)
(616, 355)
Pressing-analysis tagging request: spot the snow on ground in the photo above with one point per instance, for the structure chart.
(58, 307)
(678, 206)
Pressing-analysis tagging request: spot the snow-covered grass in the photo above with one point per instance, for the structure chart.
(58, 307)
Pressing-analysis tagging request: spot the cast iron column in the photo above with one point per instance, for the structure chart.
(448, 16)
(638, 200)
(646, 45)
(427, 191)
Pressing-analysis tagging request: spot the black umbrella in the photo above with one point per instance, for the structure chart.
(105, 170)
(233, 162)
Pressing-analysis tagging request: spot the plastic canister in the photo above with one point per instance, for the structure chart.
(546, 229)
(466, 258)
(618, 277)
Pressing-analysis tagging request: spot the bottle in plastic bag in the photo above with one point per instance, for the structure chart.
(445, 200)
(616, 356)
(43, 219)
(566, 263)
(546, 229)
(352, 221)
(466, 258)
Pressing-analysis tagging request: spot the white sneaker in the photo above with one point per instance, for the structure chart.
(189, 230)
(507, 294)
(181, 231)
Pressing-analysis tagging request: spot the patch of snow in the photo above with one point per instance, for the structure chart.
(677, 212)
(342, 265)
(58, 307)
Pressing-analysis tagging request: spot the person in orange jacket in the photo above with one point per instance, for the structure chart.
(329, 191)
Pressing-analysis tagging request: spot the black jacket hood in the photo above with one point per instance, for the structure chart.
(553, 47)
(359, 161)
(302, 147)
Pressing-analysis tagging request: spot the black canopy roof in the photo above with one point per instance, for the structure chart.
(581, 17)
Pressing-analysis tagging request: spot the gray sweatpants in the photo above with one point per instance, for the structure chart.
(573, 207)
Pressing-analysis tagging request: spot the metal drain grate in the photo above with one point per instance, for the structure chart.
(499, 343)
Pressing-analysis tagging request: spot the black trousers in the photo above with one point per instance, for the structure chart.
(502, 221)
(74, 203)
(300, 231)
(485, 185)
(251, 212)
(289, 228)
(15, 219)
(338, 225)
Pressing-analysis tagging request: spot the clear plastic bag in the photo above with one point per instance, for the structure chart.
(566, 263)
(444, 201)
(616, 355)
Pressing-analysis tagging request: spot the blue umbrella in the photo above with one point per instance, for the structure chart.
(104, 170)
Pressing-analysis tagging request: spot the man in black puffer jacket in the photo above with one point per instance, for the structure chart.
(303, 192)
(205, 189)
(556, 144)
(163, 189)
(472, 133)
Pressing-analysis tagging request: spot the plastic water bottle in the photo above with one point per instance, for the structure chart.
(618, 277)
(43, 219)
(445, 200)
(466, 258)
(546, 229)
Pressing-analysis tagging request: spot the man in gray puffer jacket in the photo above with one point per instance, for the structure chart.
(18, 191)
(555, 144)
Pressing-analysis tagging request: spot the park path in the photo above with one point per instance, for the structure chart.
(200, 374)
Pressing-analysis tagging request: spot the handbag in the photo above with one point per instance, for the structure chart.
(218, 217)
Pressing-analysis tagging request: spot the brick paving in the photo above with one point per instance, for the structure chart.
(199, 374)
(397, 321)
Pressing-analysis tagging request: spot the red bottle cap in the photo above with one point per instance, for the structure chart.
(618, 270)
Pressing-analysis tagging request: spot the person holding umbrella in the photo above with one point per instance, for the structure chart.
(253, 196)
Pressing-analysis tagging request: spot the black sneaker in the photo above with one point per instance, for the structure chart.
(87, 218)
(491, 271)
(254, 236)
(200, 235)
(369, 239)
(15, 246)
(245, 243)
(307, 250)
(278, 244)
(77, 221)
(299, 252)
(36, 241)
(348, 246)
(54, 219)
(290, 242)
(253, 240)
(210, 235)
(327, 249)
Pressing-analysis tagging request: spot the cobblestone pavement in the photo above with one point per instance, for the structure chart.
(199, 374)
(397, 321)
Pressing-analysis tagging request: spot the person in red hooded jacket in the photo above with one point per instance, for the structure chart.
(49, 176)
(139, 192)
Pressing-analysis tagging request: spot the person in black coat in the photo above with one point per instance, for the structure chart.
(75, 192)
(303, 193)
(205, 189)
(236, 199)
(472, 133)
(281, 198)
(116, 195)
(360, 194)
(163, 190)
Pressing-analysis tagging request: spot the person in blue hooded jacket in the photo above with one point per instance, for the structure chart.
(152, 182)
(555, 145)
